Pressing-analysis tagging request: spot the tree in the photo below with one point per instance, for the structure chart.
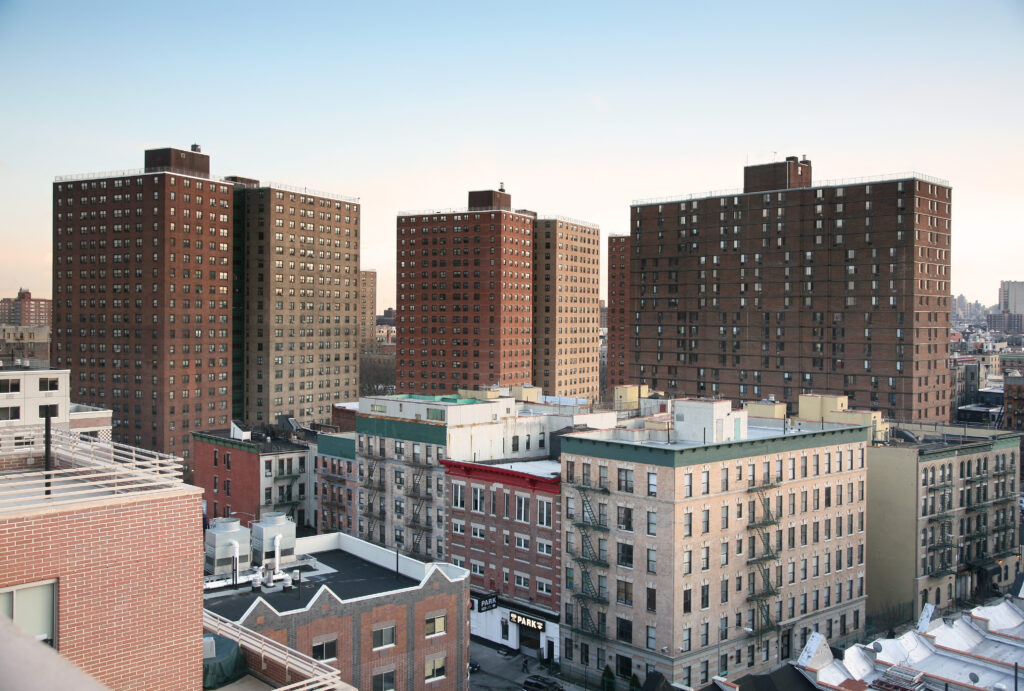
(607, 679)
(376, 374)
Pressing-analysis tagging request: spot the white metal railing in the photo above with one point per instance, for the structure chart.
(319, 676)
(83, 469)
(837, 182)
(137, 172)
(305, 190)
(566, 219)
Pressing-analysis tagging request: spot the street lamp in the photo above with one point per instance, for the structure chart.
(722, 631)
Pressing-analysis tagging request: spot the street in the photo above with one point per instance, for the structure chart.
(501, 672)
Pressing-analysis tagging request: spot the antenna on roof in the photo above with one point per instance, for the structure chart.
(501, 186)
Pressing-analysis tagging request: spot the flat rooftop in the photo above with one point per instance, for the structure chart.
(345, 574)
(547, 469)
(758, 429)
(268, 445)
(85, 470)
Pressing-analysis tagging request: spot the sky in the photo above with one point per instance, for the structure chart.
(578, 108)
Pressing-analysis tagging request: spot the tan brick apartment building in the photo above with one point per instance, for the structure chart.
(366, 323)
(788, 287)
(618, 310)
(947, 496)
(505, 526)
(297, 287)
(142, 296)
(704, 541)
(467, 287)
(566, 314)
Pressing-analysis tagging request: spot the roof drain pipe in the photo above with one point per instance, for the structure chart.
(234, 563)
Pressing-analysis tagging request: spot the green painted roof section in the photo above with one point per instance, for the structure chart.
(1010, 440)
(409, 430)
(450, 398)
(227, 441)
(339, 446)
(675, 458)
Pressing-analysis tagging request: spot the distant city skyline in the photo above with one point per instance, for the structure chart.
(579, 108)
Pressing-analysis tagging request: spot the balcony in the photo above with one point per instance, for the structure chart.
(417, 462)
(1004, 471)
(764, 484)
(588, 557)
(419, 523)
(417, 491)
(593, 524)
(943, 543)
(764, 521)
(371, 483)
(769, 555)
(983, 476)
(940, 517)
(940, 486)
(587, 485)
(763, 593)
(370, 512)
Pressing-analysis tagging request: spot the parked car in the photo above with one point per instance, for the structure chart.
(536, 682)
(474, 666)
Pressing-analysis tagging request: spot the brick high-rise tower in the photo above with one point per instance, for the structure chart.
(465, 296)
(566, 278)
(366, 319)
(618, 310)
(297, 271)
(141, 296)
(789, 286)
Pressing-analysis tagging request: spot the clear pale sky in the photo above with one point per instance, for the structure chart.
(578, 108)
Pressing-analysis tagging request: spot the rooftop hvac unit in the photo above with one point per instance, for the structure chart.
(226, 538)
(264, 534)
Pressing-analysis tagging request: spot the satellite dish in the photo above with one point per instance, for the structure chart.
(876, 646)
(973, 677)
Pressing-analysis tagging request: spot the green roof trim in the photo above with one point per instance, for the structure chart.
(676, 458)
(338, 446)
(226, 441)
(422, 398)
(409, 430)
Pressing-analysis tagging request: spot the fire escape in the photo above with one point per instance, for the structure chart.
(586, 592)
(418, 518)
(942, 520)
(373, 511)
(762, 588)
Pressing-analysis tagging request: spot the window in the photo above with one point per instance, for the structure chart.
(458, 495)
(522, 580)
(478, 499)
(10, 413)
(48, 384)
(435, 669)
(434, 626)
(625, 480)
(522, 509)
(385, 681)
(326, 650)
(652, 484)
(32, 609)
(624, 593)
(10, 385)
(624, 630)
(544, 513)
(625, 518)
(383, 637)
(625, 555)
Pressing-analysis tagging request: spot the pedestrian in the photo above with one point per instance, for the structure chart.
(526, 664)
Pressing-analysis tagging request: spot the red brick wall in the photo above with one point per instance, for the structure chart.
(618, 311)
(245, 473)
(129, 586)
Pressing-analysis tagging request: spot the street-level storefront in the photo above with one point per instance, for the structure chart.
(530, 630)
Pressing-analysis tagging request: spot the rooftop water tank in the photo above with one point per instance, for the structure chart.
(219, 550)
(270, 525)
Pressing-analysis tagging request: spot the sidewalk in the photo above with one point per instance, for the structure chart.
(500, 672)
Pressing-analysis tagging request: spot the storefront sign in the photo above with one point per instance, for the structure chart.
(529, 622)
(486, 604)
